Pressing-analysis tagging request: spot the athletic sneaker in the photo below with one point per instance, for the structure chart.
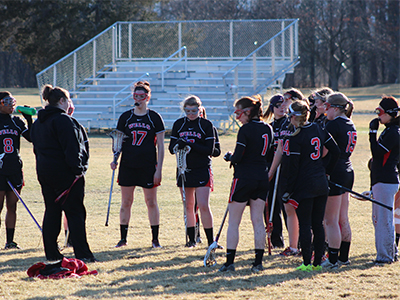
(121, 243)
(289, 252)
(343, 263)
(257, 268)
(316, 268)
(305, 268)
(89, 260)
(224, 268)
(190, 244)
(198, 240)
(12, 245)
(330, 266)
(219, 246)
(155, 244)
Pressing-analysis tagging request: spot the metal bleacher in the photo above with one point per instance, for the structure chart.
(218, 61)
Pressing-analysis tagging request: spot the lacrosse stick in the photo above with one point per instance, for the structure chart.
(361, 196)
(20, 199)
(182, 169)
(117, 139)
(270, 225)
(209, 259)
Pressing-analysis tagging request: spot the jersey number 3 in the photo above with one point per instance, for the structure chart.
(317, 146)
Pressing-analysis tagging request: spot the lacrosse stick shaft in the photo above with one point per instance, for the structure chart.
(22, 201)
(274, 194)
(362, 196)
(184, 209)
(222, 225)
(268, 225)
(109, 198)
(66, 239)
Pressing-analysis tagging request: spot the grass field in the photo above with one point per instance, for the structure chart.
(174, 271)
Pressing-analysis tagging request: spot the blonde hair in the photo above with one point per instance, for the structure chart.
(340, 101)
(301, 110)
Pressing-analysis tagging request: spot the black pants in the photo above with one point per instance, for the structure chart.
(311, 215)
(74, 210)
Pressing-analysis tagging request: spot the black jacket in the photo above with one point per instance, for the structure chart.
(60, 144)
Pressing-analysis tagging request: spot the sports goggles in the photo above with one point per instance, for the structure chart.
(8, 101)
(191, 111)
(329, 105)
(239, 112)
(139, 96)
(293, 113)
(380, 111)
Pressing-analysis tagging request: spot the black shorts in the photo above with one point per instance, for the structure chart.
(197, 178)
(242, 190)
(143, 177)
(17, 180)
(343, 177)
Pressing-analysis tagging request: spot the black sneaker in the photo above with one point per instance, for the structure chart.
(11, 245)
(257, 268)
(230, 268)
(155, 244)
(190, 244)
(121, 243)
(89, 260)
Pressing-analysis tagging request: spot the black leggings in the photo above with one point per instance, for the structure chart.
(311, 215)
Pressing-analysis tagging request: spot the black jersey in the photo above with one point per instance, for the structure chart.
(385, 155)
(138, 149)
(254, 141)
(276, 125)
(11, 129)
(344, 132)
(321, 120)
(199, 135)
(306, 173)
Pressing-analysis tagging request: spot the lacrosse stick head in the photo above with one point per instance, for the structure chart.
(117, 137)
(209, 258)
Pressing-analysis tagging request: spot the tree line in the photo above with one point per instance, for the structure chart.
(341, 42)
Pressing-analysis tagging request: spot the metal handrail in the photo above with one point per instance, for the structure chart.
(255, 51)
(127, 97)
(179, 60)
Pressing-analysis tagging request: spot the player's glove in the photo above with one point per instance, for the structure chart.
(228, 156)
(181, 143)
(374, 125)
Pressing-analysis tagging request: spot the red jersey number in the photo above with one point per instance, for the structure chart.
(8, 145)
(266, 143)
(317, 146)
(138, 137)
(351, 142)
(285, 148)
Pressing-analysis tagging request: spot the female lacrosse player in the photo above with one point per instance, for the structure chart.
(319, 97)
(337, 227)
(277, 110)
(12, 128)
(306, 187)
(385, 176)
(198, 134)
(141, 161)
(250, 180)
(291, 217)
(62, 153)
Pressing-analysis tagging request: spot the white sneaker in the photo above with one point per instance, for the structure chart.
(328, 265)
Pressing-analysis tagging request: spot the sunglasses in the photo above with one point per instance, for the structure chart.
(191, 111)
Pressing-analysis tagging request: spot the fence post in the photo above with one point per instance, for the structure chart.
(55, 76)
(74, 80)
(283, 40)
(130, 41)
(113, 45)
(119, 55)
(273, 57)
(231, 39)
(254, 71)
(179, 39)
(291, 43)
(94, 59)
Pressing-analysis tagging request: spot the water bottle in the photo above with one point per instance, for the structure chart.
(26, 110)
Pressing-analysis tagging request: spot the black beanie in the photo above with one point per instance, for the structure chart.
(389, 104)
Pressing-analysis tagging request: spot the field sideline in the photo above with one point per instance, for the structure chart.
(174, 271)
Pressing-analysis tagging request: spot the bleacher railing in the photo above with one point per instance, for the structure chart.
(130, 41)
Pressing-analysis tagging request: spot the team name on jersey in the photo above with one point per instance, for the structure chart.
(8, 131)
(190, 133)
(285, 132)
(139, 125)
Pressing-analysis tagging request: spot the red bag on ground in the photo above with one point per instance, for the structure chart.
(71, 267)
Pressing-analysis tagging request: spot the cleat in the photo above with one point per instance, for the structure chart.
(155, 244)
(257, 268)
(343, 263)
(121, 243)
(330, 266)
(289, 252)
(317, 268)
(190, 244)
(224, 268)
(89, 260)
(305, 268)
(11, 245)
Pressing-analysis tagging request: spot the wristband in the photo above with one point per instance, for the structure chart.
(373, 131)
